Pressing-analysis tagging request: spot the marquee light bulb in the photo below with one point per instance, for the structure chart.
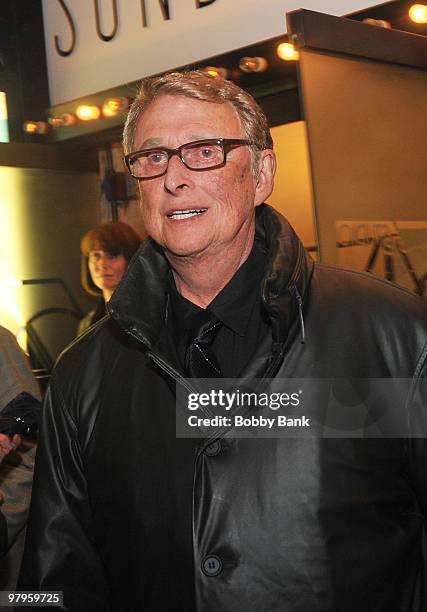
(418, 13)
(36, 127)
(114, 106)
(253, 64)
(381, 23)
(287, 52)
(216, 71)
(68, 119)
(55, 122)
(88, 113)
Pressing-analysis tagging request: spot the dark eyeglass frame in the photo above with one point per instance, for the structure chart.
(227, 145)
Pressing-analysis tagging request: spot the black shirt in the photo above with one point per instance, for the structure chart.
(240, 309)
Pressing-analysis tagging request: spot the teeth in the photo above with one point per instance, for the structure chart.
(181, 214)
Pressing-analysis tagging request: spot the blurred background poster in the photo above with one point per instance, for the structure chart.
(395, 250)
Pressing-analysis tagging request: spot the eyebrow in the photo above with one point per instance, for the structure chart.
(155, 142)
(151, 142)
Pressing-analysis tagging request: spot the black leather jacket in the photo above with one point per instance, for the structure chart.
(91, 317)
(124, 514)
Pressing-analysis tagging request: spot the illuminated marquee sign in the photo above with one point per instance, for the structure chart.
(163, 4)
(93, 45)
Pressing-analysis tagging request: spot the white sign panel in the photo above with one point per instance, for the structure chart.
(92, 45)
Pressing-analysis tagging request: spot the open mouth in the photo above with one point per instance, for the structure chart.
(186, 214)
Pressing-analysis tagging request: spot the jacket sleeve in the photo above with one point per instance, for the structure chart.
(417, 442)
(59, 552)
(16, 477)
(15, 372)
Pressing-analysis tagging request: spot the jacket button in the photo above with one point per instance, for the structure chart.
(212, 566)
(213, 449)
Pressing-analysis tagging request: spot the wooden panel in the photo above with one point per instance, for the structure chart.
(367, 138)
(311, 30)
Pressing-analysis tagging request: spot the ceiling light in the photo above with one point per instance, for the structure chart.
(418, 13)
(216, 71)
(253, 64)
(35, 127)
(65, 120)
(287, 52)
(68, 119)
(55, 122)
(88, 113)
(114, 106)
(381, 23)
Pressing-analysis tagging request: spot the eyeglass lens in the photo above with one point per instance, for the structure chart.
(196, 156)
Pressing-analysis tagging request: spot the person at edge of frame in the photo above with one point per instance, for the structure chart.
(125, 514)
(19, 394)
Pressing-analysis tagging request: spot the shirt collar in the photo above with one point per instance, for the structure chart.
(234, 304)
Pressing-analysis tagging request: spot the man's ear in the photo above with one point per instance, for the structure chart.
(265, 179)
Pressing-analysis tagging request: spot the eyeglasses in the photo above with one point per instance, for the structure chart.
(198, 155)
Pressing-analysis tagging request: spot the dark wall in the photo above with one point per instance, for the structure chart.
(23, 72)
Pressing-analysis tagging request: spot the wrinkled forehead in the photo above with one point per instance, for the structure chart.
(188, 118)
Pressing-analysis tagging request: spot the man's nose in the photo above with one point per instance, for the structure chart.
(177, 175)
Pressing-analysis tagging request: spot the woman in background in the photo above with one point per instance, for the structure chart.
(106, 252)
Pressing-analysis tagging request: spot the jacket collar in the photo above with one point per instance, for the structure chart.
(289, 271)
(139, 304)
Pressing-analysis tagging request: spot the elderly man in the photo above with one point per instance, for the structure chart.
(128, 516)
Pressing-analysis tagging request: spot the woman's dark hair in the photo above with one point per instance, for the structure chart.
(114, 238)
